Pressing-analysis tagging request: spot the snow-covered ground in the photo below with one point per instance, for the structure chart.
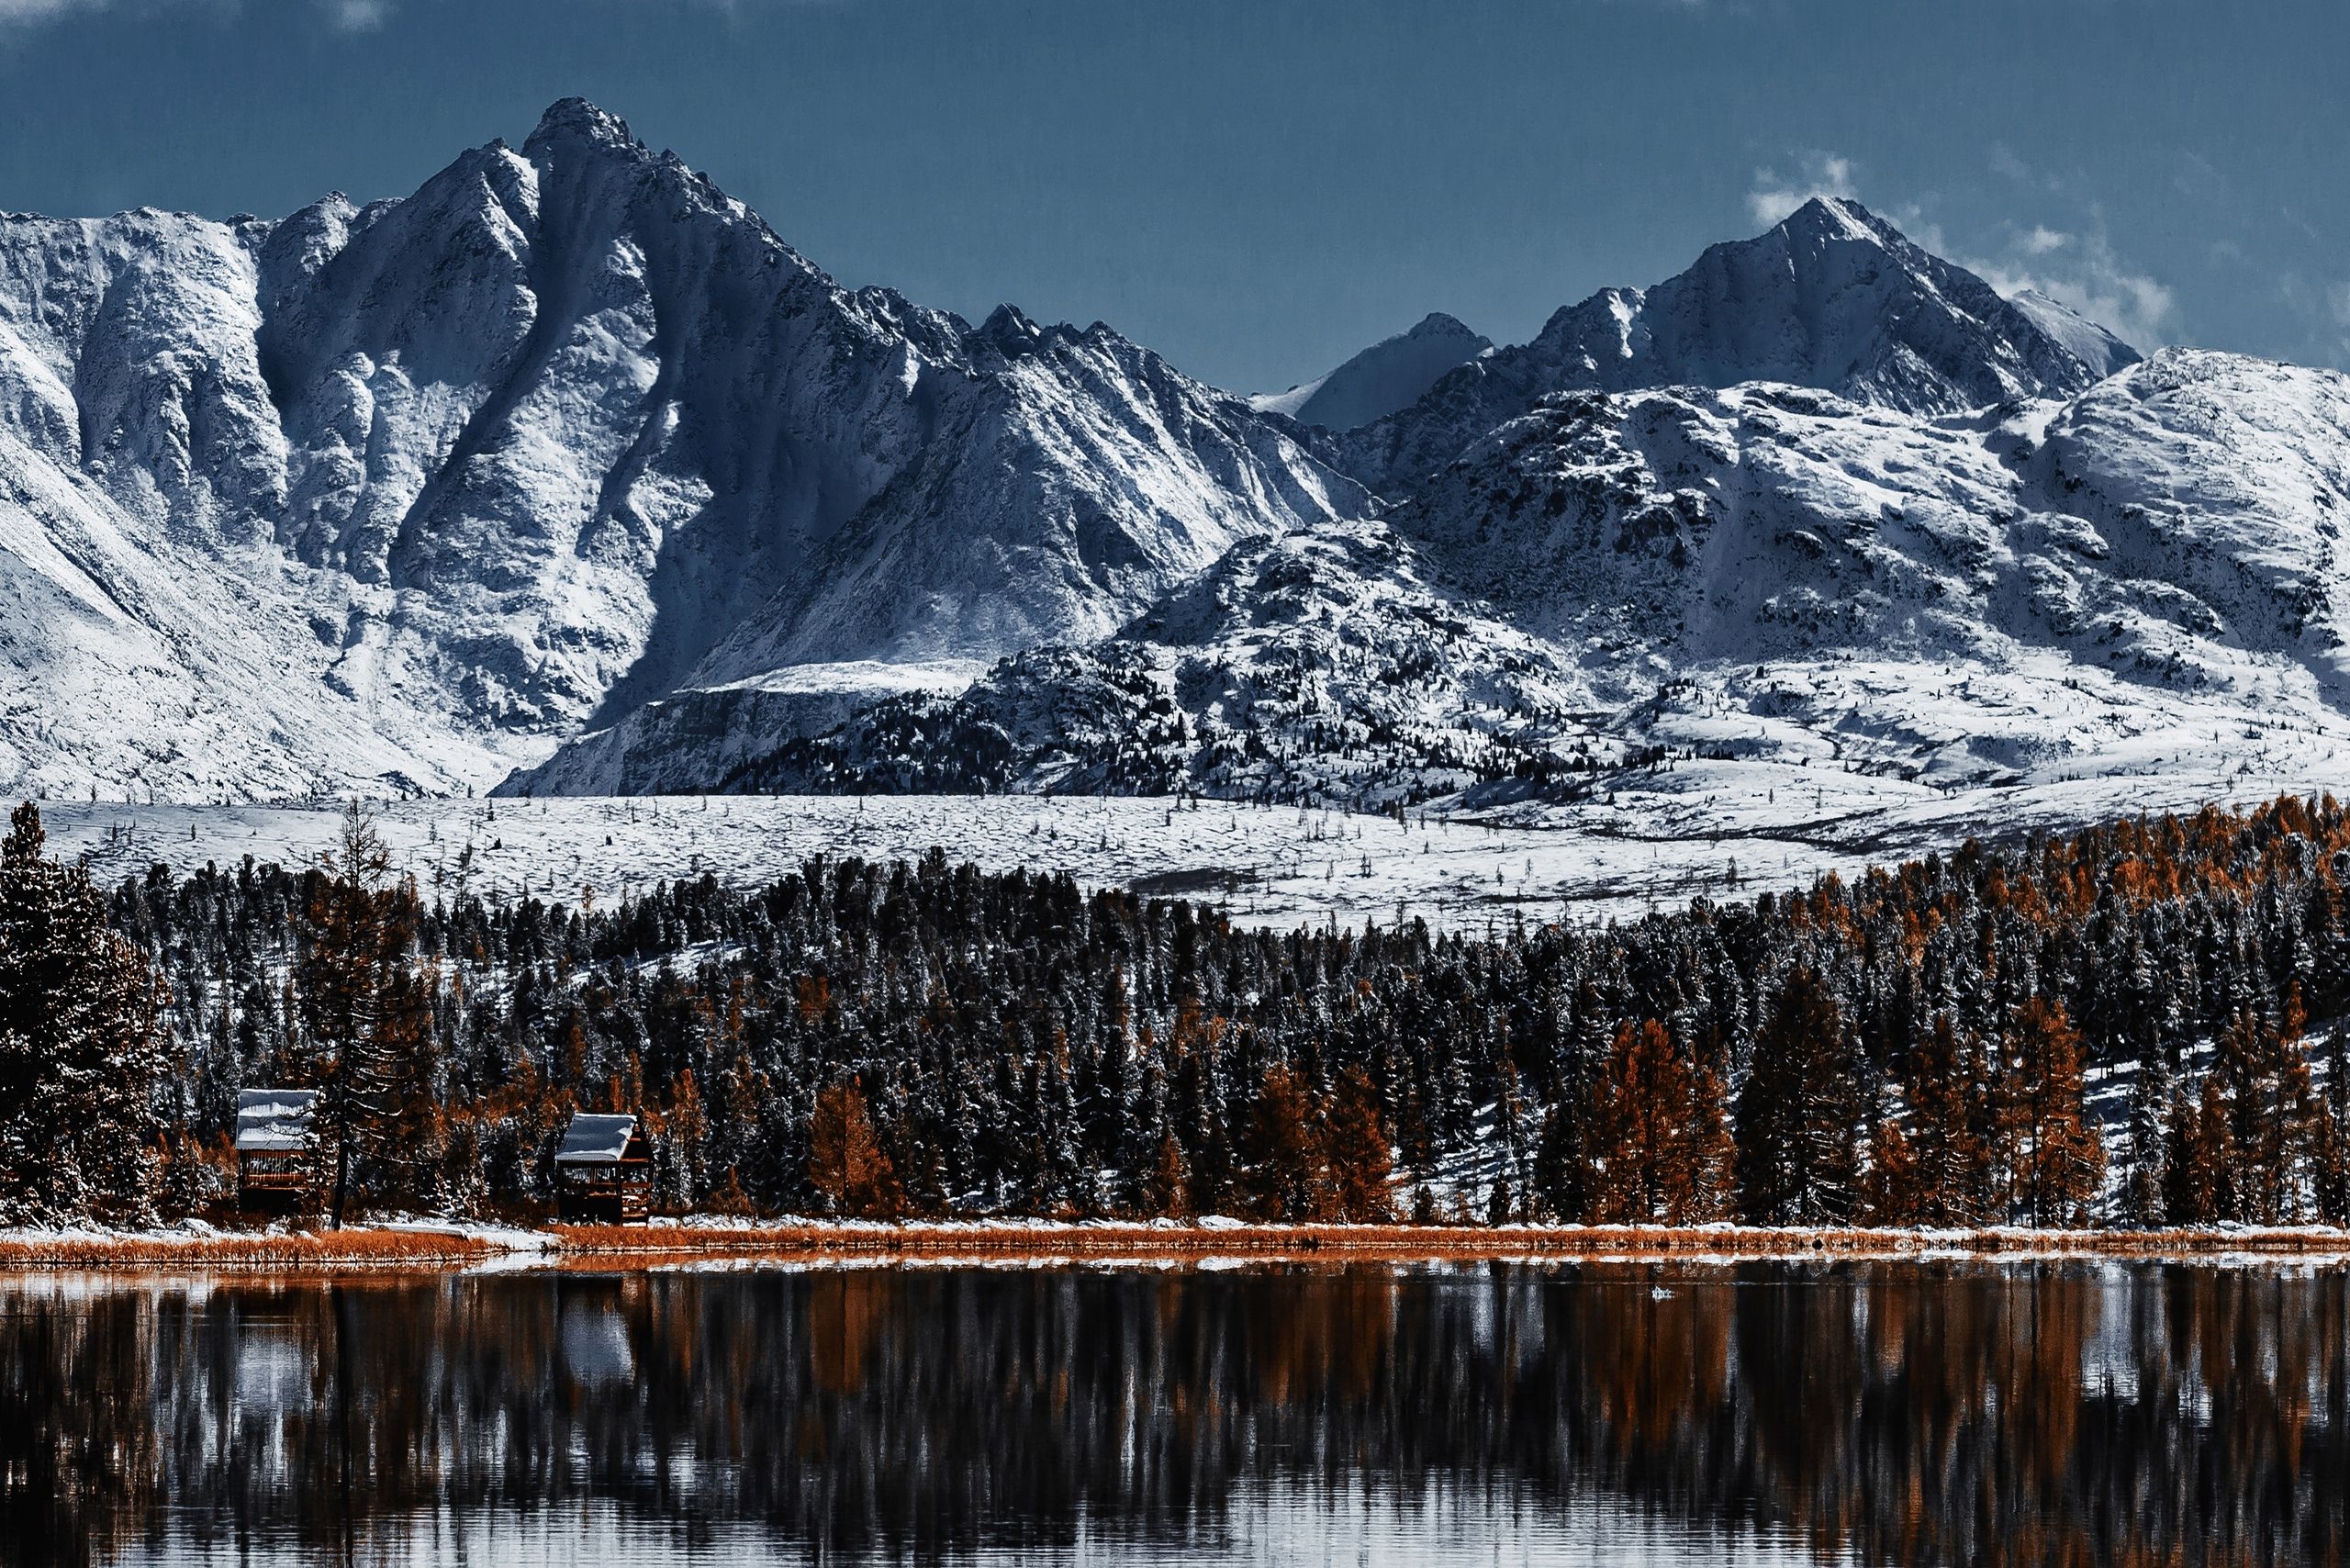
(1660, 838)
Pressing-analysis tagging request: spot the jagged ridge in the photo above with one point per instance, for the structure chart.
(1833, 297)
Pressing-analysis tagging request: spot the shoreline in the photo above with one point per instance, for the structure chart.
(441, 1246)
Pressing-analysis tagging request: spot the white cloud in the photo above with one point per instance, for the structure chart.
(2082, 271)
(2322, 307)
(43, 10)
(1774, 196)
(350, 15)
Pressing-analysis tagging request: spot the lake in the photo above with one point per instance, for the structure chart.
(1720, 1413)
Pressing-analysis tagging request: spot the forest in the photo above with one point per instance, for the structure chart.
(2126, 1027)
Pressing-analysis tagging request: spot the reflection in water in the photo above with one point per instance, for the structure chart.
(1887, 1413)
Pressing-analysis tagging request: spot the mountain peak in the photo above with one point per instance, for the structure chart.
(1010, 331)
(1832, 217)
(1383, 378)
(1436, 324)
(577, 120)
(1833, 297)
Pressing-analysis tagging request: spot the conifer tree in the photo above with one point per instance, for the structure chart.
(1360, 1160)
(2187, 1196)
(2062, 1161)
(1168, 1189)
(1563, 1174)
(2264, 1077)
(2202, 1158)
(1890, 1189)
(83, 1054)
(680, 1137)
(847, 1164)
(365, 1011)
(1945, 1083)
(2145, 1177)
(2330, 1151)
(1713, 1150)
(1646, 1117)
(1798, 1113)
(1288, 1157)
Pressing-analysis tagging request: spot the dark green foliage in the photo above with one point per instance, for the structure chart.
(82, 1053)
(1024, 1045)
(1800, 1112)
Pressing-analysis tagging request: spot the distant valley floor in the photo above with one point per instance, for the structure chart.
(1653, 838)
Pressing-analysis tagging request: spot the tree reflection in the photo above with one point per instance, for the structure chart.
(1905, 1413)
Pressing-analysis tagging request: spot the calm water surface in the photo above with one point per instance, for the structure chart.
(1492, 1414)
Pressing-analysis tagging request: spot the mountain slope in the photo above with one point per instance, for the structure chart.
(1323, 666)
(1072, 478)
(2086, 340)
(1390, 374)
(1833, 297)
(1765, 572)
(1930, 595)
(1765, 576)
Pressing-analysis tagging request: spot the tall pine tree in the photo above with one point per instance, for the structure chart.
(366, 1008)
(82, 1047)
(2062, 1164)
(1798, 1114)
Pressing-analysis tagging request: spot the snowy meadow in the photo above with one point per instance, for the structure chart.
(1655, 840)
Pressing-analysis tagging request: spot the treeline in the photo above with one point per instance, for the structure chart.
(1921, 1046)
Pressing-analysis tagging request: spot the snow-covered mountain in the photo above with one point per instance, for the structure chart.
(1955, 598)
(446, 479)
(1833, 297)
(567, 475)
(1390, 374)
(2150, 574)
(2166, 523)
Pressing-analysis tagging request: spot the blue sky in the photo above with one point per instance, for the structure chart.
(1258, 189)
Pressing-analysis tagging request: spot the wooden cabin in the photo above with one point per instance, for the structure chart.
(603, 1171)
(277, 1166)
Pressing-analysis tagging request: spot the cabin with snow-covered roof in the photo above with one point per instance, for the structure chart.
(603, 1171)
(277, 1144)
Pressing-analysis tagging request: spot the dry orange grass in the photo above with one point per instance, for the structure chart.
(361, 1249)
(370, 1248)
(1143, 1242)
